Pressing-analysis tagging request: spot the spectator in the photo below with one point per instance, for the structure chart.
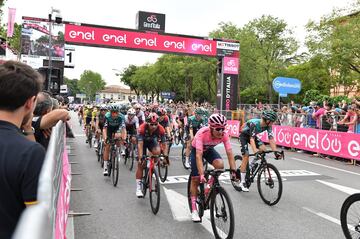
(350, 119)
(20, 159)
(317, 115)
(45, 118)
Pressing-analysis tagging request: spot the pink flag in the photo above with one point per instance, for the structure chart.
(11, 22)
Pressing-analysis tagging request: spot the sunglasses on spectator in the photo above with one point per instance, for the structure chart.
(137, 109)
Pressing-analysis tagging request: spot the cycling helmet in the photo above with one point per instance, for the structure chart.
(123, 109)
(168, 110)
(152, 118)
(217, 121)
(199, 111)
(161, 112)
(269, 115)
(103, 107)
(113, 108)
(131, 112)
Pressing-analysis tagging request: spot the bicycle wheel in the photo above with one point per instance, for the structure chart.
(222, 214)
(163, 169)
(132, 156)
(176, 137)
(102, 155)
(269, 184)
(144, 182)
(350, 216)
(98, 152)
(115, 168)
(90, 138)
(154, 191)
(183, 156)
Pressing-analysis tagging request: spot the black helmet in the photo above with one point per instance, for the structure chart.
(269, 115)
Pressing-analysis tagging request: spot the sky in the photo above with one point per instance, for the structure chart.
(188, 17)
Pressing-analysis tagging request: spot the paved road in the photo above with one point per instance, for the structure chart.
(309, 207)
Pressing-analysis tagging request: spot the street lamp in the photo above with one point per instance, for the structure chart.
(58, 20)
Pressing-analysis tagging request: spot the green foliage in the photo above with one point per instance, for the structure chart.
(15, 41)
(336, 39)
(72, 86)
(91, 82)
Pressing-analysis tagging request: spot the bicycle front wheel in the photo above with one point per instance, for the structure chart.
(90, 138)
(115, 168)
(132, 156)
(163, 170)
(154, 192)
(183, 156)
(350, 216)
(222, 214)
(269, 184)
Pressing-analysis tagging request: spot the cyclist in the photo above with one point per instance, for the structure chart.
(99, 125)
(165, 122)
(203, 147)
(248, 135)
(195, 122)
(148, 136)
(114, 125)
(89, 120)
(139, 113)
(132, 124)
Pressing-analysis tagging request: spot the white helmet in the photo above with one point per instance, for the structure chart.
(131, 111)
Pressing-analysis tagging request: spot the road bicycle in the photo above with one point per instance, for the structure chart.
(218, 201)
(150, 180)
(130, 153)
(89, 135)
(100, 151)
(113, 163)
(269, 182)
(350, 216)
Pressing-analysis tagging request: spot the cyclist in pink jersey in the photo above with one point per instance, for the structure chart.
(203, 148)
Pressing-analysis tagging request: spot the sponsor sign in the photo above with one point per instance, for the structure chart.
(130, 39)
(150, 21)
(233, 127)
(63, 89)
(69, 57)
(284, 85)
(228, 45)
(231, 65)
(230, 90)
(167, 95)
(340, 144)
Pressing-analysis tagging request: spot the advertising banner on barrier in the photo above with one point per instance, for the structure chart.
(63, 204)
(339, 144)
(233, 127)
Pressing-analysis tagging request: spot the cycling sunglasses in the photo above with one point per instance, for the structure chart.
(219, 129)
(154, 124)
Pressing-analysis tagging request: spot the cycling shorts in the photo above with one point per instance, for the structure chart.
(88, 120)
(245, 141)
(209, 155)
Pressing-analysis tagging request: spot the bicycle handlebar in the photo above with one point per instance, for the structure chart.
(269, 151)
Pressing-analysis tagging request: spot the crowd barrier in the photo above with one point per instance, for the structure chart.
(48, 218)
(339, 144)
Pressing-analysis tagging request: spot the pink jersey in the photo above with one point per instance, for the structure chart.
(203, 140)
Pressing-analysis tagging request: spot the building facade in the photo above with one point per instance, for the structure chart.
(117, 93)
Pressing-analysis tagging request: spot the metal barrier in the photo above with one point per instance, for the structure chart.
(38, 221)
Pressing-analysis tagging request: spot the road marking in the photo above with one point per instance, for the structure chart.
(225, 176)
(180, 209)
(341, 188)
(323, 215)
(318, 164)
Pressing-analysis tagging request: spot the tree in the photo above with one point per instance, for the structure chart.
(91, 82)
(14, 42)
(72, 85)
(269, 46)
(336, 39)
(126, 78)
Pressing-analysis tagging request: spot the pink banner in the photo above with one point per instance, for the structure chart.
(232, 128)
(11, 22)
(231, 65)
(63, 204)
(339, 144)
(105, 36)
